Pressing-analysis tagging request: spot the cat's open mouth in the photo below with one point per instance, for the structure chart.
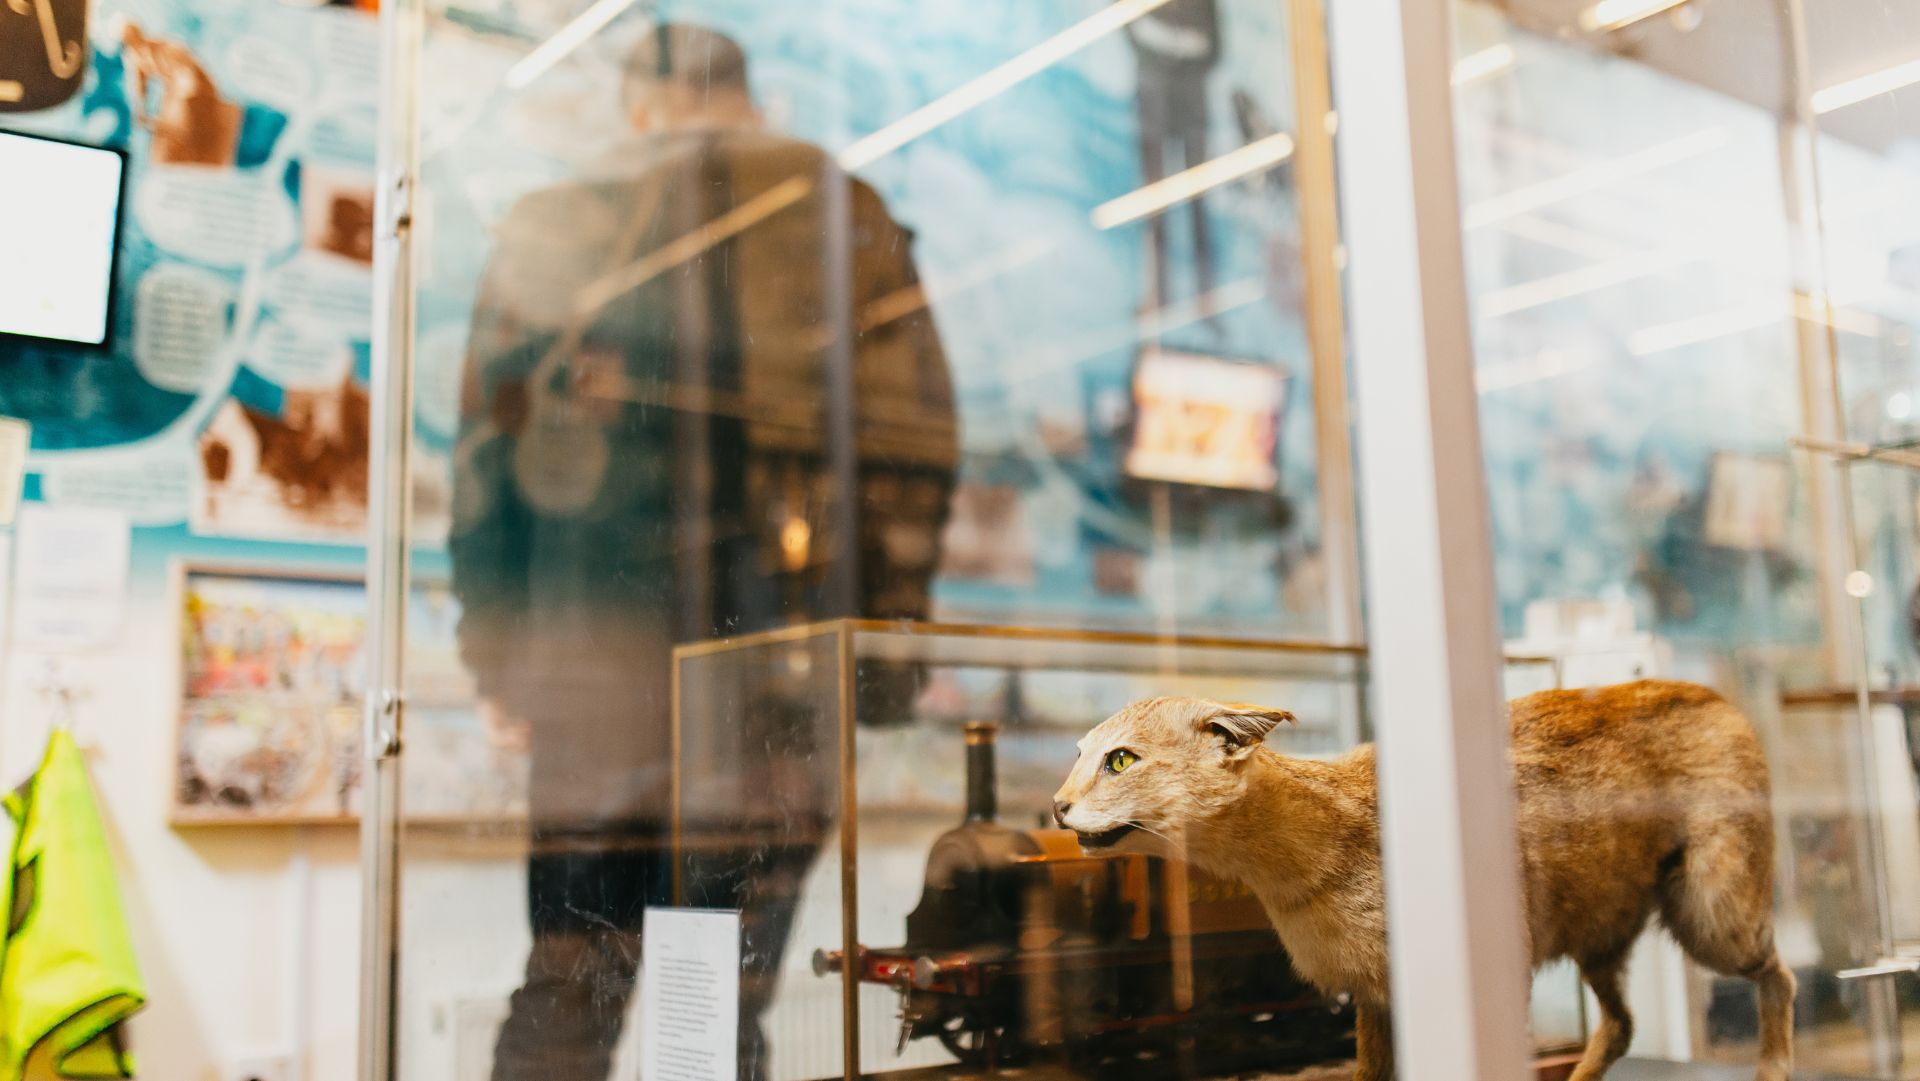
(1105, 838)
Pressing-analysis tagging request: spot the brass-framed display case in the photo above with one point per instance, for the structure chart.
(943, 925)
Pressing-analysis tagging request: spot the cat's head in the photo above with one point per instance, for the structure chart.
(1159, 767)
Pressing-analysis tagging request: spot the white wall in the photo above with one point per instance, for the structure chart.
(247, 937)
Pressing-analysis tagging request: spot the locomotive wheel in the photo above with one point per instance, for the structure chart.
(977, 1045)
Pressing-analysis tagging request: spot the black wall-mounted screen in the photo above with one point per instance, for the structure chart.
(59, 231)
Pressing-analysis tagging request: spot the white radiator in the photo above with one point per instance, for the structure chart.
(803, 1028)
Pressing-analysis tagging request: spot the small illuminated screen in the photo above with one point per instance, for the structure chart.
(58, 226)
(1206, 421)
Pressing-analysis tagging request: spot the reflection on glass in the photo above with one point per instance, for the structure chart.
(1687, 307)
(688, 389)
(657, 444)
(738, 318)
(684, 381)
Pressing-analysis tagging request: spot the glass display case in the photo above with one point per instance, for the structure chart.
(919, 762)
(822, 415)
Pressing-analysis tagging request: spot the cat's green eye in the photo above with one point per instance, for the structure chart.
(1119, 760)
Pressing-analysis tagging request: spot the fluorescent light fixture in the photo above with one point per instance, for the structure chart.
(1567, 238)
(1853, 91)
(1586, 279)
(969, 95)
(1841, 315)
(1484, 64)
(1547, 364)
(568, 38)
(1257, 156)
(1146, 327)
(1614, 14)
(690, 246)
(1702, 328)
(1532, 197)
(905, 301)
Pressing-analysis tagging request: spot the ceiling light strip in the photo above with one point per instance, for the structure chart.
(1854, 91)
(1702, 328)
(1614, 14)
(1484, 64)
(982, 87)
(1605, 174)
(1586, 279)
(566, 40)
(1257, 156)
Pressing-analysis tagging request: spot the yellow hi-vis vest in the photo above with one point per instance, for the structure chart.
(67, 972)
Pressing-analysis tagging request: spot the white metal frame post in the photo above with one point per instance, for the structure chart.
(388, 537)
(1447, 823)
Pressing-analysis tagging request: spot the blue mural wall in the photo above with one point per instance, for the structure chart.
(244, 284)
(233, 314)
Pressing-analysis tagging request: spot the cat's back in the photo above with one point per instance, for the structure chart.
(1650, 740)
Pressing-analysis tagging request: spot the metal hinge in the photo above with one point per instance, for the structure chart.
(385, 741)
(399, 216)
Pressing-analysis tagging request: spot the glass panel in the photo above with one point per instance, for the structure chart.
(735, 317)
(1861, 160)
(757, 734)
(1687, 310)
(1862, 152)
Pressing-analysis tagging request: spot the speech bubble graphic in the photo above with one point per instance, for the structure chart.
(181, 315)
(215, 216)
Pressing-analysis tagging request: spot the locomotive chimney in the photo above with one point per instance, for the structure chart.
(982, 803)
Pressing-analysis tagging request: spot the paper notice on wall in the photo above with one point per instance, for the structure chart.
(70, 577)
(15, 436)
(689, 995)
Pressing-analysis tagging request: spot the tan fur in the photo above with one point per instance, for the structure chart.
(1641, 798)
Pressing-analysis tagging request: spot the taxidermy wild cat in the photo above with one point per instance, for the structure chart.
(1641, 798)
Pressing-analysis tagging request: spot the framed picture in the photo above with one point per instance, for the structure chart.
(272, 679)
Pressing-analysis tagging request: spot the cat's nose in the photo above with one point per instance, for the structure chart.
(1060, 809)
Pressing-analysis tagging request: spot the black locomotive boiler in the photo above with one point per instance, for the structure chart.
(1024, 949)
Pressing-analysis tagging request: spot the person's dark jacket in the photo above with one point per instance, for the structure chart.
(643, 457)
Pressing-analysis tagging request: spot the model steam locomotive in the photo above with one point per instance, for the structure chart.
(1024, 949)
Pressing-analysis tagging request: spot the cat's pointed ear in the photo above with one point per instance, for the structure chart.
(1242, 728)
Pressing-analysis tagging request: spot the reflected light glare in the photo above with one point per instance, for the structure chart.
(1614, 14)
(570, 37)
(1659, 339)
(1252, 158)
(1483, 64)
(1853, 91)
(1587, 279)
(1720, 324)
(1594, 177)
(969, 95)
(1900, 405)
(1546, 364)
(796, 543)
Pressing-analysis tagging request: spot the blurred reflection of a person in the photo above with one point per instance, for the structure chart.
(1177, 46)
(658, 365)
